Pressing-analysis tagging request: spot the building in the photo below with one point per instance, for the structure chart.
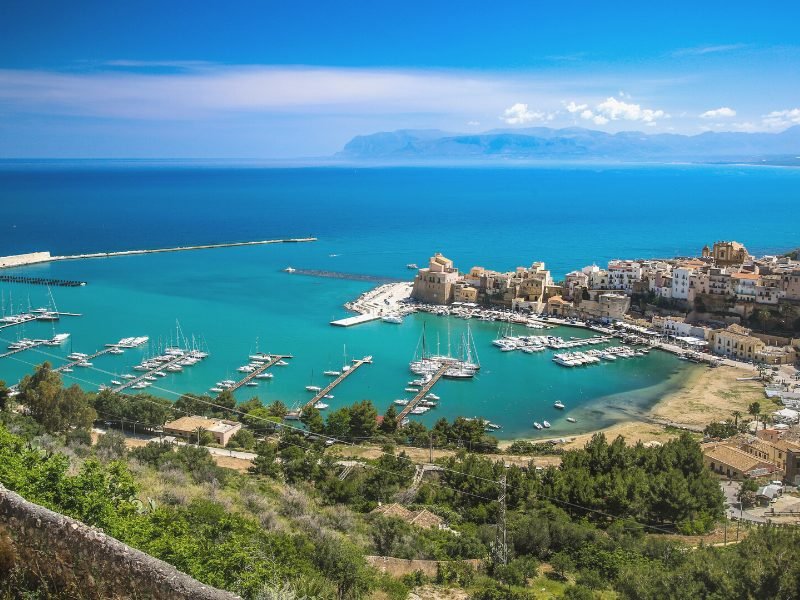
(435, 285)
(725, 254)
(729, 461)
(622, 274)
(735, 342)
(424, 518)
(744, 286)
(188, 428)
(791, 285)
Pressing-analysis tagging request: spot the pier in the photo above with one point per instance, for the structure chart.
(73, 363)
(274, 359)
(349, 276)
(424, 391)
(330, 387)
(30, 317)
(32, 345)
(41, 281)
(355, 320)
(131, 382)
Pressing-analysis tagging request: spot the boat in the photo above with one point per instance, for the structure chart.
(66, 370)
(289, 270)
(264, 376)
(160, 374)
(571, 420)
(546, 424)
(320, 406)
(313, 388)
(77, 355)
(116, 351)
(492, 426)
(558, 404)
(395, 319)
(128, 376)
(401, 402)
(331, 373)
(216, 390)
(84, 363)
(150, 378)
(251, 384)
(537, 425)
(412, 266)
(58, 339)
(328, 396)
(140, 386)
(432, 396)
(412, 390)
(419, 410)
(245, 369)
(281, 363)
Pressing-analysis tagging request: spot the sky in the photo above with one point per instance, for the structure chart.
(207, 79)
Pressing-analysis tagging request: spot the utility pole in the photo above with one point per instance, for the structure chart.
(430, 448)
(500, 542)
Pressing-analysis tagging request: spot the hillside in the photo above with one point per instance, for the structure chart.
(574, 144)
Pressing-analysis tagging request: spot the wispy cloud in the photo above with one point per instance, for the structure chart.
(722, 111)
(781, 119)
(520, 114)
(711, 49)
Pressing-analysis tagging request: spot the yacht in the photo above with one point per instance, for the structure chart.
(412, 266)
(245, 369)
(150, 378)
(419, 410)
(115, 351)
(571, 420)
(58, 339)
(174, 368)
(66, 370)
(216, 390)
(264, 376)
(84, 364)
(332, 373)
(128, 376)
(77, 355)
(115, 382)
(160, 374)
(289, 270)
(251, 384)
(401, 402)
(432, 396)
(537, 425)
(313, 388)
(281, 363)
(140, 386)
(558, 404)
(412, 390)
(328, 396)
(396, 319)
(320, 406)
(546, 424)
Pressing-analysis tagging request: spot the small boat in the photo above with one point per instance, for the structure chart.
(115, 382)
(412, 390)
(66, 370)
(419, 410)
(313, 388)
(174, 369)
(289, 270)
(264, 376)
(320, 406)
(432, 396)
(537, 425)
(216, 390)
(332, 373)
(84, 364)
(558, 404)
(412, 266)
(395, 319)
(328, 396)
(128, 376)
(245, 369)
(150, 378)
(251, 384)
(546, 424)
(160, 374)
(281, 363)
(492, 426)
(571, 420)
(401, 402)
(140, 386)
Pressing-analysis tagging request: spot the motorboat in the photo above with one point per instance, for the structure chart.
(558, 404)
(116, 382)
(264, 376)
(328, 396)
(432, 396)
(572, 420)
(537, 425)
(281, 363)
(216, 390)
(320, 406)
(84, 364)
(401, 402)
(251, 384)
(128, 376)
(313, 388)
(395, 319)
(412, 390)
(546, 424)
(289, 270)
(58, 339)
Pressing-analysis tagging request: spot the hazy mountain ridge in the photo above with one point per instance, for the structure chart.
(572, 143)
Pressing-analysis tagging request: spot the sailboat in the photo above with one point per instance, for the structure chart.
(313, 388)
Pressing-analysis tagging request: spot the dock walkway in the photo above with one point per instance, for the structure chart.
(274, 359)
(424, 391)
(34, 317)
(141, 377)
(356, 320)
(329, 388)
(35, 344)
(73, 363)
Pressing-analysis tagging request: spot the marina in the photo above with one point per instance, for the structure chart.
(414, 402)
(265, 363)
(325, 392)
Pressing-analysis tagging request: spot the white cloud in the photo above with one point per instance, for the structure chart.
(573, 108)
(779, 119)
(599, 120)
(473, 123)
(717, 113)
(614, 110)
(519, 114)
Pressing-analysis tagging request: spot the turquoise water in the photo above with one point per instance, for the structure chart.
(369, 221)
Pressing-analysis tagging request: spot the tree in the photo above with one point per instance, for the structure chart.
(4, 395)
(55, 408)
(243, 438)
(736, 415)
(389, 423)
(312, 419)
(278, 409)
(111, 446)
(388, 534)
(754, 409)
(562, 564)
(338, 423)
(265, 463)
(225, 402)
(747, 493)
(363, 420)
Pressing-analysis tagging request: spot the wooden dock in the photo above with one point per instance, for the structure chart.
(73, 363)
(274, 359)
(35, 344)
(35, 317)
(329, 388)
(424, 391)
(131, 382)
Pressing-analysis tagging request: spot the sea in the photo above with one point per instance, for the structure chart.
(369, 221)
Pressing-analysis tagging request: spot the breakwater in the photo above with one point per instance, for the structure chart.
(41, 281)
(22, 260)
(350, 276)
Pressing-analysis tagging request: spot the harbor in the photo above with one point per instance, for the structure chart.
(256, 370)
(323, 393)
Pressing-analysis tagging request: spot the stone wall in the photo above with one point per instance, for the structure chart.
(23, 259)
(67, 555)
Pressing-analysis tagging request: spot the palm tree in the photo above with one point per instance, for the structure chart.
(755, 410)
(736, 415)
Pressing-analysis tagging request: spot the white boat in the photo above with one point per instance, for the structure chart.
(281, 363)
(251, 384)
(289, 270)
(228, 382)
(84, 364)
(558, 404)
(116, 351)
(537, 425)
(313, 388)
(328, 396)
(571, 420)
(419, 410)
(140, 386)
(115, 382)
(412, 266)
(546, 424)
(160, 373)
(432, 396)
(332, 373)
(58, 339)
(128, 376)
(401, 402)
(320, 406)
(174, 368)
(245, 369)
(216, 390)
(77, 355)
(264, 376)
(150, 378)
(395, 319)
(66, 370)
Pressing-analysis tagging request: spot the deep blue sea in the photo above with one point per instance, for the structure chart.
(368, 221)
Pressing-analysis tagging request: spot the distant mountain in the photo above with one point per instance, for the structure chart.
(574, 143)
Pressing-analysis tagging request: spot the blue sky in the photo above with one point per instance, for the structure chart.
(280, 79)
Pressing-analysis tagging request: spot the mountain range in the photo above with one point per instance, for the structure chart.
(575, 143)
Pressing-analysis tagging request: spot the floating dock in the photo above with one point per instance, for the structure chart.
(424, 391)
(30, 317)
(41, 281)
(274, 359)
(31, 346)
(74, 363)
(355, 320)
(329, 388)
(132, 382)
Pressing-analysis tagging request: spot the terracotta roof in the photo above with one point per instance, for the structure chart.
(751, 276)
(738, 459)
(192, 424)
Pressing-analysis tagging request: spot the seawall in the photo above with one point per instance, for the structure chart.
(20, 260)
(68, 555)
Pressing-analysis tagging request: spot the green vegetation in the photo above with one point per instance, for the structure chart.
(299, 523)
